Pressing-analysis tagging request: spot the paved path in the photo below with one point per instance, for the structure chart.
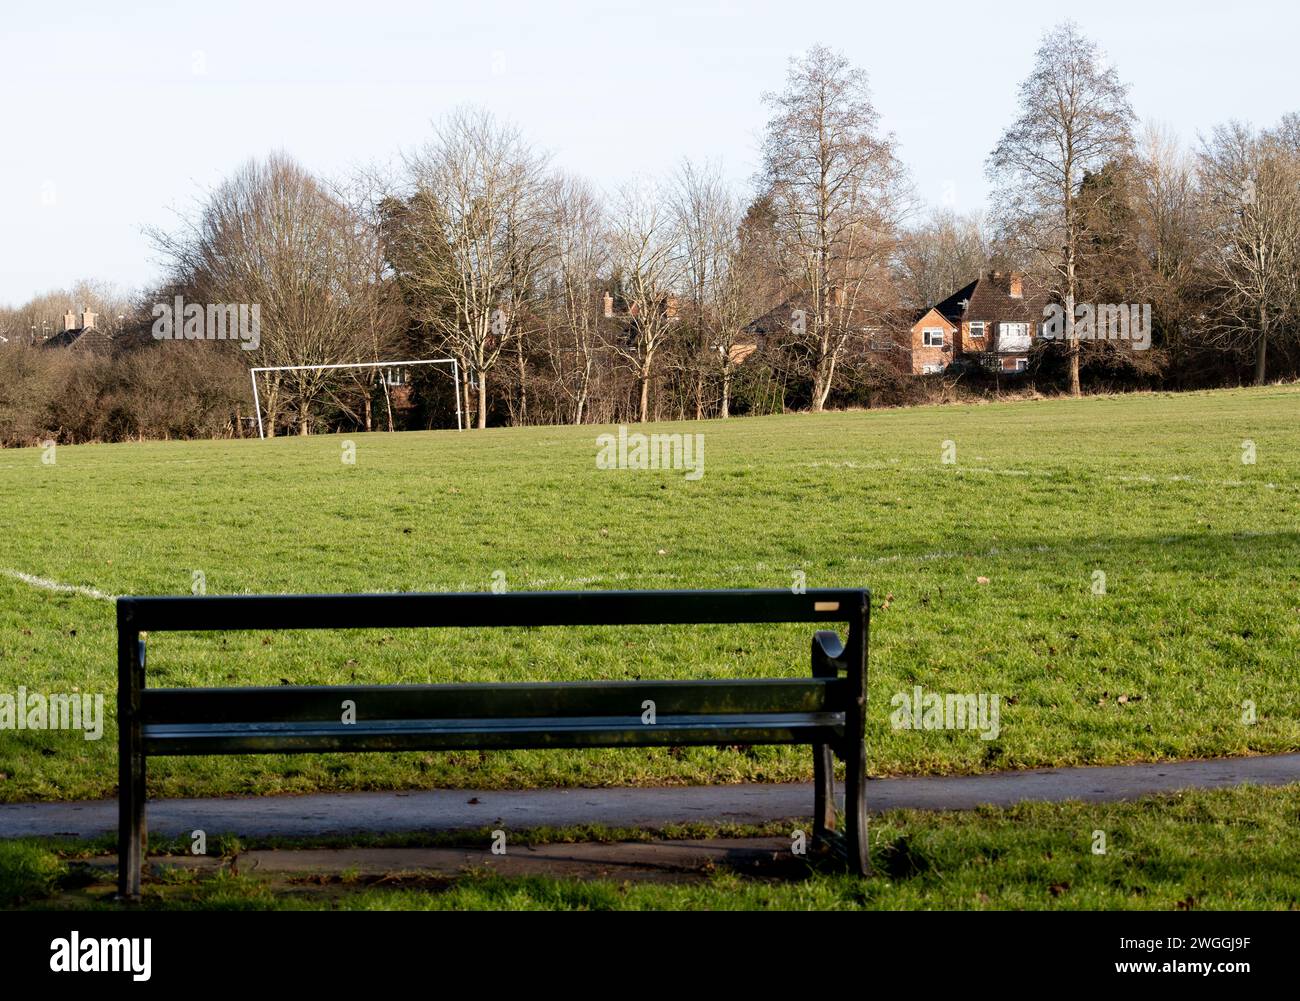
(456, 809)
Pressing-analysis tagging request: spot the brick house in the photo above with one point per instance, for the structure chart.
(993, 322)
(929, 345)
(82, 332)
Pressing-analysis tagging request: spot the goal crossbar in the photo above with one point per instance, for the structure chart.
(455, 377)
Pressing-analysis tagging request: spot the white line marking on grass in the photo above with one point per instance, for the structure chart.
(1057, 474)
(53, 585)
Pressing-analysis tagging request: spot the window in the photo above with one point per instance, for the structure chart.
(1022, 364)
(932, 337)
(1013, 336)
(977, 330)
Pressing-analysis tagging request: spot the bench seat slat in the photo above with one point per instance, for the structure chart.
(590, 698)
(454, 734)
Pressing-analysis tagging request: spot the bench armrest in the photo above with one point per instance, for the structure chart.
(827, 654)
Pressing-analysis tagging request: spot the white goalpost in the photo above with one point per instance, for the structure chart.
(455, 378)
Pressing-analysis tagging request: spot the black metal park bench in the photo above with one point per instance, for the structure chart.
(826, 709)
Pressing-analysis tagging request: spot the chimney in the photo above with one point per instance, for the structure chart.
(1017, 285)
(609, 305)
(69, 320)
(88, 319)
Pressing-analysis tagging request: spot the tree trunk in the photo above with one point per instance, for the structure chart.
(272, 410)
(523, 381)
(388, 403)
(580, 407)
(1070, 238)
(1261, 346)
(482, 399)
(645, 391)
(822, 379)
(725, 410)
(465, 391)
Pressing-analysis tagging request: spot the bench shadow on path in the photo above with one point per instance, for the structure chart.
(668, 861)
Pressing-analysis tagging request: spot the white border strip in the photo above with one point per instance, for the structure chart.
(53, 585)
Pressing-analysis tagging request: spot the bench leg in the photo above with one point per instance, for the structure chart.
(855, 808)
(823, 791)
(132, 836)
(141, 825)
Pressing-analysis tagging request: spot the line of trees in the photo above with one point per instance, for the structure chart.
(1211, 240)
(683, 297)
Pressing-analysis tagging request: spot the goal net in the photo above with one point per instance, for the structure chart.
(350, 390)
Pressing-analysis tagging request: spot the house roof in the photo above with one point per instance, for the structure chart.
(83, 338)
(923, 314)
(954, 306)
(774, 320)
(991, 300)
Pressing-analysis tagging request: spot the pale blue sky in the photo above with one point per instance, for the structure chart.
(116, 115)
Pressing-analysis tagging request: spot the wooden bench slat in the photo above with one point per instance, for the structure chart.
(491, 734)
(518, 608)
(553, 699)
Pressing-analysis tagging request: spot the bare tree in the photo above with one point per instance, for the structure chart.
(726, 283)
(379, 307)
(708, 219)
(1169, 232)
(840, 193)
(945, 253)
(1074, 117)
(1251, 185)
(579, 254)
(645, 251)
(475, 194)
(274, 236)
(528, 248)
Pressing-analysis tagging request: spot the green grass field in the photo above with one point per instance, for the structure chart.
(1201, 556)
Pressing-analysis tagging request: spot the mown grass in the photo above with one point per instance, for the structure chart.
(1213, 850)
(1201, 554)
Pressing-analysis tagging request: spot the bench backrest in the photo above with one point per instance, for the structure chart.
(138, 705)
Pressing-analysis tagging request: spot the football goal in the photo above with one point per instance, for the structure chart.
(394, 373)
